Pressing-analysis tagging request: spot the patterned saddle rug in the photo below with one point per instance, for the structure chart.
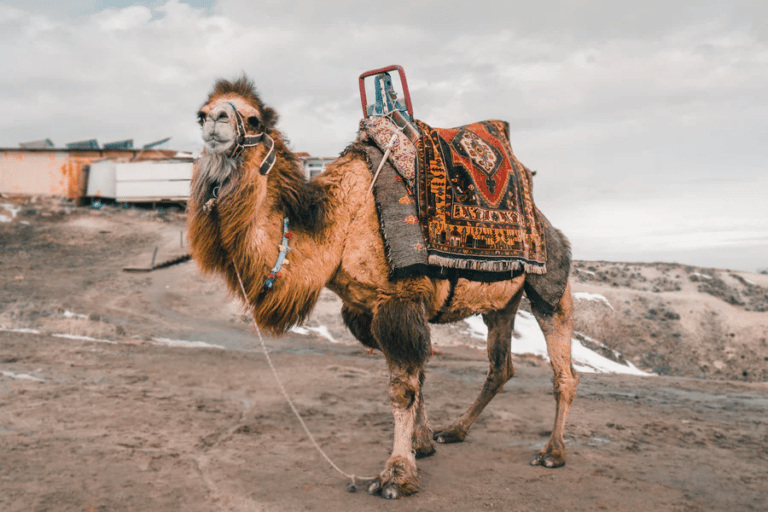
(475, 200)
(406, 248)
(468, 200)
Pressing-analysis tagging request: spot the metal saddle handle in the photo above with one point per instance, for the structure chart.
(403, 82)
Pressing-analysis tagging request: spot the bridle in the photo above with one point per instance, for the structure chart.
(243, 141)
(248, 141)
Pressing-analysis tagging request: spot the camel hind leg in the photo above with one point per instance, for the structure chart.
(557, 327)
(500, 325)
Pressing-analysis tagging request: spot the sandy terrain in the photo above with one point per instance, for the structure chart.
(107, 404)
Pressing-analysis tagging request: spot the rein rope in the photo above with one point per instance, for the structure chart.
(353, 480)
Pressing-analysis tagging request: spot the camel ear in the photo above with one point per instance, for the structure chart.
(269, 117)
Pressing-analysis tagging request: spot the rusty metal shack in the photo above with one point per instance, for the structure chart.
(59, 171)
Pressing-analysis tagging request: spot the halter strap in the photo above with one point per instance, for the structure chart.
(248, 141)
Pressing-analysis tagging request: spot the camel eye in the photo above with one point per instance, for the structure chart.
(201, 118)
(254, 122)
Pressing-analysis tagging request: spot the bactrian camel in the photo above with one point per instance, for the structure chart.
(247, 182)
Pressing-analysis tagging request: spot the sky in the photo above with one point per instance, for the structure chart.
(647, 122)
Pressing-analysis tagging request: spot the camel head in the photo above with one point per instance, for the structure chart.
(238, 131)
(246, 165)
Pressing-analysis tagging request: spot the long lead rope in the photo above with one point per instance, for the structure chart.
(353, 480)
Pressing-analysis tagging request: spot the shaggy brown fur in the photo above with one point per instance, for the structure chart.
(336, 243)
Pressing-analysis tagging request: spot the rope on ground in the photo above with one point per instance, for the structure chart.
(353, 480)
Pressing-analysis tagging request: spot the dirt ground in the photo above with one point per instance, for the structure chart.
(115, 396)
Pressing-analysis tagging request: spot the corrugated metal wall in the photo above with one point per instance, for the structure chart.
(57, 172)
(36, 172)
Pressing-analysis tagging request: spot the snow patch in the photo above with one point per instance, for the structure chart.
(12, 210)
(528, 339)
(82, 338)
(167, 342)
(699, 274)
(21, 331)
(591, 296)
(321, 330)
(21, 376)
(69, 314)
(588, 361)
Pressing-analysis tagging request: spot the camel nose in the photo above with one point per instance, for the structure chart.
(219, 129)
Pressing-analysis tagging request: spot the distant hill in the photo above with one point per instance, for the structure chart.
(676, 319)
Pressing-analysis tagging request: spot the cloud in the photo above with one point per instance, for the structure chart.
(530, 65)
(9, 14)
(119, 73)
(124, 19)
(614, 104)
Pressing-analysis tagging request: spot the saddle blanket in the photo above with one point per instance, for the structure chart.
(475, 200)
(406, 249)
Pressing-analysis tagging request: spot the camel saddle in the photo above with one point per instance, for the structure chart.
(458, 221)
(474, 200)
(455, 202)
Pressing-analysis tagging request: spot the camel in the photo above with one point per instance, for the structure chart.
(247, 186)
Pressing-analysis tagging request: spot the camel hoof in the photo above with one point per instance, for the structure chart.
(548, 460)
(425, 451)
(450, 435)
(389, 492)
(400, 478)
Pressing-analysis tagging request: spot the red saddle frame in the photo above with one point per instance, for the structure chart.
(403, 82)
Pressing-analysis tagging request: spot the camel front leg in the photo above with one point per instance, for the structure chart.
(400, 476)
(558, 331)
(359, 323)
(401, 329)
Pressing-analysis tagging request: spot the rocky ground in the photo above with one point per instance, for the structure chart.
(113, 395)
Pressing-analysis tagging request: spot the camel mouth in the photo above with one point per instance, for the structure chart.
(220, 133)
(219, 145)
